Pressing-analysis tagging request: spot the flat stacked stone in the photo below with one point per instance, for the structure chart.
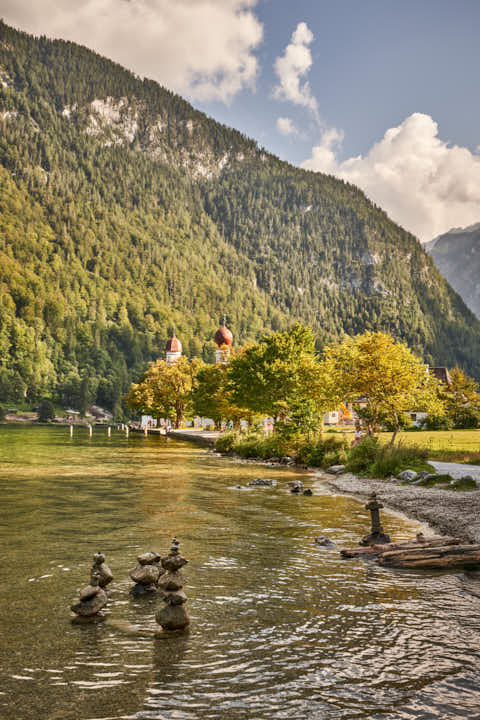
(173, 616)
(146, 574)
(92, 598)
(377, 536)
(105, 575)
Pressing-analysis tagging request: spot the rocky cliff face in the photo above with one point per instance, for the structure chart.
(457, 256)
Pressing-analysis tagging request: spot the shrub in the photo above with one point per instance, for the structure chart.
(324, 451)
(225, 442)
(437, 423)
(436, 480)
(464, 483)
(405, 423)
(466, 418)
(46, 410)
(392, 460)
(363, 455)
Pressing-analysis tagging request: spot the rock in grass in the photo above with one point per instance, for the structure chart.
(464, 483)
(407, 475)
(336, 469)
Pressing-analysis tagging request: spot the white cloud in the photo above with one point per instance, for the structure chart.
(200, 48)
(425, 184)
(292, 67)
(285, 126)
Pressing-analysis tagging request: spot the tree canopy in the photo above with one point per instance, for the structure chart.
(165, 390)
(382, 374)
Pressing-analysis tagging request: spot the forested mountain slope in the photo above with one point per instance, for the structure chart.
(457, 256)
(124, 210)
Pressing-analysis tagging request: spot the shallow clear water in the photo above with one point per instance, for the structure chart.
(280, 628)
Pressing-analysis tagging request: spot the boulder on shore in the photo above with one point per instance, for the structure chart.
(407, 475)
(336, 469)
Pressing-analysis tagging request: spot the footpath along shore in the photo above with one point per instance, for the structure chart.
(451, 513)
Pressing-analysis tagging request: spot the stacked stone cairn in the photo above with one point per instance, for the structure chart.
(93, 597)
(173, 616)
(146, 574)
(377, 535)
(105, 576)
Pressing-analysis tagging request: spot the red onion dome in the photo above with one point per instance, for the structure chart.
(174, 345)
(223, 336)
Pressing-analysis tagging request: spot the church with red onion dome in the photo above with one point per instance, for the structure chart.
(223, 339)
(173, 349)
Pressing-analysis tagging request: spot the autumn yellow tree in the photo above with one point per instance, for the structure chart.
(383, 375)
(165, 390)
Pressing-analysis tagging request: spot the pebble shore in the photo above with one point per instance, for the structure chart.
(451, 513)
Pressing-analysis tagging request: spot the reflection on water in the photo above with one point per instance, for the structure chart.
(280, 628)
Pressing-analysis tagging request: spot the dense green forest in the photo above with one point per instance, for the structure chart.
(124, 211)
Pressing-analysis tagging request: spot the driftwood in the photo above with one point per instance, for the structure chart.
(432, 552)
(374, 550)
(435, 557)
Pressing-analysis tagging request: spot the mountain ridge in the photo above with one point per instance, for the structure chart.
(456, 253)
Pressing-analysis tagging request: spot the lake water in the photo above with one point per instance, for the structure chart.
(280, 628)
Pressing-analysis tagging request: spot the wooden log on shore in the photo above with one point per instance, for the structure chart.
(431, 542)
(448, 556)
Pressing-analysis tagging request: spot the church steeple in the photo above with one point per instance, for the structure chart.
(223, 339)
(173, 348)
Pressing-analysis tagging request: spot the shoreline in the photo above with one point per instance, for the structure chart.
(446, 511)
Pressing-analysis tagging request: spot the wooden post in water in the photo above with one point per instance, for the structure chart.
(126, 431)
(146, 430)
(89, 430)
(71, 430)
(109, 431)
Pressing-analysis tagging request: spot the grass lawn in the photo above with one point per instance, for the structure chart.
(446, 445)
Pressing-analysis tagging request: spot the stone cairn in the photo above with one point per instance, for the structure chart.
(377, 536)
(105, 576)
(146, 574)
(173, 616)
(93, 597)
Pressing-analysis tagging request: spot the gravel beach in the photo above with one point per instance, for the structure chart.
(451, 513)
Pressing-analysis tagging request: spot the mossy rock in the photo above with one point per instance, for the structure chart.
(433, 480)
(462, 484)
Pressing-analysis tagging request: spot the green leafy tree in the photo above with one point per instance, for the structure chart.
(46, 410)
(462, 401)
(279, 377)
(212, 399)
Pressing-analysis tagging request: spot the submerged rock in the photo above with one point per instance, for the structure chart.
(261, 482)
(324, 541)
(296, 487)
(92, 598)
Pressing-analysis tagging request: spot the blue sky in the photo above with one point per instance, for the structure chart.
(385, 92)
(375, 62)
